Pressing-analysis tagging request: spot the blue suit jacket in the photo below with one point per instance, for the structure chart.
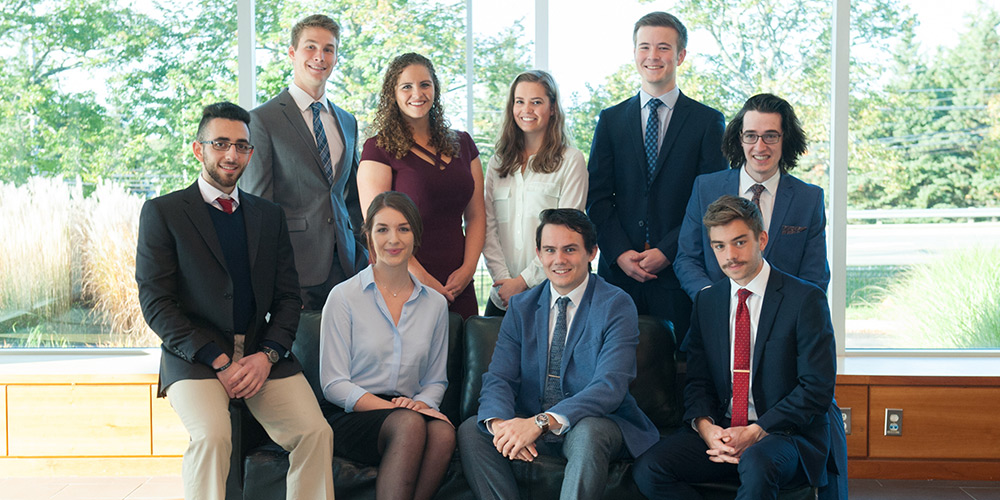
(597, 365)
(286, 168)
(619, 202)
(796, 242)
(793, 363)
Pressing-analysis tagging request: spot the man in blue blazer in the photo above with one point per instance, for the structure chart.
(760, 418)
(558, 381)
(762, 143)
(306, 160)
(646, 154)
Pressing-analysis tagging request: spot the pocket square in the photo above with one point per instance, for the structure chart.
(792, 229)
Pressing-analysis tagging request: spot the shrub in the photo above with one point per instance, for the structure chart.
(107, 232)
(952, 301)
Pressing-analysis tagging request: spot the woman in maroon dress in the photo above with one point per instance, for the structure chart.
(415, 152)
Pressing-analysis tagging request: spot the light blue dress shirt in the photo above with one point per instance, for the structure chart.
(361, 350)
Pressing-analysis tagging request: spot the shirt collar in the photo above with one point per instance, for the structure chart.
(771, 184)
(575, 295)
(209, 192)
(757, 285)
(669, 99)
(303, 100)
(367, 277)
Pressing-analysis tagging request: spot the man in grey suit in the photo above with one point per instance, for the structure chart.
(217, 284)
(306, 161)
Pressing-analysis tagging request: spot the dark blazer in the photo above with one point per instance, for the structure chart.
(794, 365)
(186, 292)
(286, 168)
(796, 242)
(618, 201)
(597, 365)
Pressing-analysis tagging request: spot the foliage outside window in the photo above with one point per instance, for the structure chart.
(103, 99)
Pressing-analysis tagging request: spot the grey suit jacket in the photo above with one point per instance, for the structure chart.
(186, 291)
(286, 168)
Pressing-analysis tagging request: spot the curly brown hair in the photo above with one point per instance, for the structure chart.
(392, 132)
(510, 144)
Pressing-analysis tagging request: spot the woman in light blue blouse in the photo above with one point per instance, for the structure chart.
(383, 353)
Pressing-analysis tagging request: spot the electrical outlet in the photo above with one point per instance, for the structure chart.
(893, 422)
(845, 414)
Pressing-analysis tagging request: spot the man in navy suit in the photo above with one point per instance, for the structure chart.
(558, 381)
(217, 284)
(306, 160)
(762, 143)
(646, 154)
(761, 369)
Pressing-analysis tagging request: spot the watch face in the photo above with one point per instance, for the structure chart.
(541, 420)
(272, 355)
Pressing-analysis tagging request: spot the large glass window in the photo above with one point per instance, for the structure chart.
(924, 180)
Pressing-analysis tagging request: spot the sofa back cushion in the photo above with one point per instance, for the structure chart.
(654, 388)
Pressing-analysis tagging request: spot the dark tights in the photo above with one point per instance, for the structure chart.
(415, 455)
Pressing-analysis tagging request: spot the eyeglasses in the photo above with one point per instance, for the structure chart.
(769, 137)
(241, 147)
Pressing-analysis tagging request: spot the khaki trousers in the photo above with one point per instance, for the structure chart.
(288, 411)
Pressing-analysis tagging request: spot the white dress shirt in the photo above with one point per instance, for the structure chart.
(209, 193)
(757, 286)
(512, 207)
(303, 101)
(665, 112)
(766, 196)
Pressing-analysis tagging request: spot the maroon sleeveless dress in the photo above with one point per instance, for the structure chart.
(441, 193)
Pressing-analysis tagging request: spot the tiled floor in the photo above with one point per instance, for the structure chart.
(169, 488)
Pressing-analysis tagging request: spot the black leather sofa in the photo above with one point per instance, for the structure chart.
(259, 466)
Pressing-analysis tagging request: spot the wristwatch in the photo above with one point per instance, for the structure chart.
(271, 354)
(542, 421)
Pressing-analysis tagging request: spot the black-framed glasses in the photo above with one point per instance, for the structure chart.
(768, 137)
(241, 147)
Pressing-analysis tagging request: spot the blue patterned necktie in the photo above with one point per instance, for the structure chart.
(553, 387)
(652, 136)
(321, 143)
(756, 189)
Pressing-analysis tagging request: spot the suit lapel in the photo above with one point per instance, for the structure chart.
(298, 124)
(580, 321)
(768, 311)
(782, 201)
(718, 342)
(197, 212)
(347, 158)
(680, 114)
(633, 119)
(252, 221)
(541, 333)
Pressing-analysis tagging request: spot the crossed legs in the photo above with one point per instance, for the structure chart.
(415, 455)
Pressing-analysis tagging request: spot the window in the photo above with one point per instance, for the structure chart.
(923, 181)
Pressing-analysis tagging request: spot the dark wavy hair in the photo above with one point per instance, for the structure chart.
(510, 144)
(572, 218)
(392, 132)
(793, 139)
(401, 203)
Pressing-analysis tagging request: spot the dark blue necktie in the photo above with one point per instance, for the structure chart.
(321, 143)
(652, 136)
(553, 387)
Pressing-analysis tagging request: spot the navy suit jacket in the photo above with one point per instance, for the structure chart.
(796, 242)
(793, 365)
(286, 168)
(619, 201)
(186, 292)
(597, 365)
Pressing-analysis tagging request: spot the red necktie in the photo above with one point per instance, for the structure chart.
(741, 361)
(226, 203)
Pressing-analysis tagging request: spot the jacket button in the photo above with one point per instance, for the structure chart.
(641, 223)
(329, 220)
(227, 295)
